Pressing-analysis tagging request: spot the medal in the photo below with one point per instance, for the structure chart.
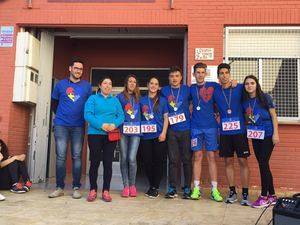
(151, 116)
(132, 116)
(175, 109)
(229, 111)
(198, 108)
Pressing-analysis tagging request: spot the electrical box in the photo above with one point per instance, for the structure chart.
(27, 63)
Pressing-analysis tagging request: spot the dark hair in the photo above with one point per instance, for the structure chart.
(136, 91)
(4, 149)
(222, 66)
(75, 61)
(157, 96)
(200, 65)
(259, 93)
(175, 69)
(101, 80)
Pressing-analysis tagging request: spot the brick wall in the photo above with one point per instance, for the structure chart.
(205, 21)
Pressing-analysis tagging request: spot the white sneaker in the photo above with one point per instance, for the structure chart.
(2, 198)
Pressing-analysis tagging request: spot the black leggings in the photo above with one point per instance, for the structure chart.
(263, 150)
(101, 149)
(153, 153)
(12, 173)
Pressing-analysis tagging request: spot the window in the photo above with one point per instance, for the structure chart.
(273, 55)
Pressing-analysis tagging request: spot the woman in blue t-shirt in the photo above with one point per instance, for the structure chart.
(130, 138)
(263, 130)
(154, 127)
(104, 113)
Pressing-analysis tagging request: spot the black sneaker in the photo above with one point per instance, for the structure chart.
(172, 193)
(17, 188)
(152, 193)
(186, 193)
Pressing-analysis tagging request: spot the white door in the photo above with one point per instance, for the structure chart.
(40, 129)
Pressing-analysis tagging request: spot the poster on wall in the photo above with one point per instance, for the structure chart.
(6, 36)
(211, 74)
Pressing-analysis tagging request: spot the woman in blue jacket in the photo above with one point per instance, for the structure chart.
(130, 139)
(154, 127)
(104, 113)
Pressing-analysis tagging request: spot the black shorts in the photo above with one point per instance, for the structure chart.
(237, 143)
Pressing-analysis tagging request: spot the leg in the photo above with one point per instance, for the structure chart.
(132, 151)
(108, 155)
(124, 159)
(76, 151)
(95, 145)
(147, 148)
(61, 135)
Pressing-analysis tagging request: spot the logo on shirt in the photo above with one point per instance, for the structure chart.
(71, 94)
(206, 93)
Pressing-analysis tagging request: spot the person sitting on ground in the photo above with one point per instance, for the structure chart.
(12, 168)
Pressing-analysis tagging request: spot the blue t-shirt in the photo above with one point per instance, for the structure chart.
(147, 109)
(262, 115)
(71, 99)
(131, 109)
(235, 106)
(202, 96)
(99, 110)
(180, 102)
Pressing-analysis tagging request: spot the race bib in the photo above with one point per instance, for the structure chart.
(176, 118)
(131, 128)
(229, 124)
(255, 132)
(148, 127)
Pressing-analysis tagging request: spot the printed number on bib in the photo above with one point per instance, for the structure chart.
(149, 128)
(129, 128)
(255, 133)
(177, 118)
(230, 124)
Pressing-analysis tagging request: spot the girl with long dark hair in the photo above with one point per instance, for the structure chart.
(154, 127)
(130, 138)
(263, 130)
(12, 169)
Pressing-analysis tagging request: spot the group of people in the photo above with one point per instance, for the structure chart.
(188, 121)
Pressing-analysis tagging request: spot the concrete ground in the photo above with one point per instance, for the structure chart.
(35, 208)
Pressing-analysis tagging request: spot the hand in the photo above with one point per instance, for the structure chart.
(1, 156)
(234, 83)
(275, 139)
(20, 157)
(162, 137)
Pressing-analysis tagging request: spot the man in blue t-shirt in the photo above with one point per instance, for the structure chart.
(178, 97)
(233, 136)
(67, 102)
(204, 131)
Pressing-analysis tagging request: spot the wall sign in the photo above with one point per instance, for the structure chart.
(6, 36)
(104, 1)
(204, 54)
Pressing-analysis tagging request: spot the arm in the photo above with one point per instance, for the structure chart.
(273, 114)
(162, 136)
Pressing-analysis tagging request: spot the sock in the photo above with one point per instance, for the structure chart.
(197, 183)
(245, 191)
(232, 189)
(214, 185)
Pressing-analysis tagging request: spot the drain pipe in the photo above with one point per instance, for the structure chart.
(29, 4)
(171, 4)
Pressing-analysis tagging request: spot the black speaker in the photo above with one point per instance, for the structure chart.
(287, 211)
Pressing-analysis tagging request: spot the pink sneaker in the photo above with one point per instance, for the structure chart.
(272, 199)
(92, 195)
(125, 192)
(261, 202)
(132, 191)
(106, 196)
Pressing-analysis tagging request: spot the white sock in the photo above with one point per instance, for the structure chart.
(197, 183)
(214, 185)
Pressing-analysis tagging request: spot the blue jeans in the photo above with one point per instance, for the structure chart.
(129, 147)
(62, 136)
